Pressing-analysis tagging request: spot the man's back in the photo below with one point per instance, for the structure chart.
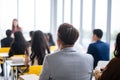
(68, 65)
(6, 42)
(99, 50)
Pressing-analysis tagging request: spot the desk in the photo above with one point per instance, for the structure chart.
(12, 64)
(4, 56)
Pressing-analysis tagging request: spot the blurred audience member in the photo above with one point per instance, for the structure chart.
(111, 71)
(30, 34)
(6, 42)
(67, 64)
(15, 26)
(50, 40)
(19, 45)
(98, 49)
(38, 48)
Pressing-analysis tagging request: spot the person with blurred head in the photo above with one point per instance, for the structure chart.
(6, 42)
(111, 71)
(31, 35)
(19, 45)
(67, 64)
(50, 40)
(15, 26)
(98, 49)
(39, 48)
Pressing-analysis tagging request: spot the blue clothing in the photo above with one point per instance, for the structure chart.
(99, 50)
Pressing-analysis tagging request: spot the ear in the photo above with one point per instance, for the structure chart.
(58, 43)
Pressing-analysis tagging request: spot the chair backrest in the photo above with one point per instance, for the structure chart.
(4, 49)
(35, 69)
(52, 48)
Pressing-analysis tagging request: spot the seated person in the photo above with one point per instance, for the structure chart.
(111, 71)
(50, 39)
(38, 48)
(6, 42)
(19, 45)
(67, 64)
(98, 49)
(31, 34)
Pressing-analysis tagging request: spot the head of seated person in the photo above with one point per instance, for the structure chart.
(97, 34)
(67, 35)
(8, 33)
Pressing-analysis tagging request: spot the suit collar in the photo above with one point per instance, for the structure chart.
(71, 49)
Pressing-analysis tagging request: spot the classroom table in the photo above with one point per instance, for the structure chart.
(4, 56)
(12, 64)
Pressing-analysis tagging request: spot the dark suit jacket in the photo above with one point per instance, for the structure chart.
(6, 42)
(99, 50)
(112, 71)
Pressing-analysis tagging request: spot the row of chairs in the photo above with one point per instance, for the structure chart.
(35, 69)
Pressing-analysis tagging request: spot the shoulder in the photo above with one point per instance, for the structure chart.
(87, 56)
(53, 54)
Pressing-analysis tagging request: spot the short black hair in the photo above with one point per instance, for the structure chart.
(68, 34)
(8, 32)
(98, 33)
(31, 33)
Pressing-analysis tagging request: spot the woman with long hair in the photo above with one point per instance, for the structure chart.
(15, 26)
(111, 71)
(39, 47)
(19, 45)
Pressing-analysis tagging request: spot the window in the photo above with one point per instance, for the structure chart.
(67, 5)
(101, 16)
(59, 12)
(43, 15)
(87, 21)
(8, 11)
(26, 16)
(115, 22)
(76, 14)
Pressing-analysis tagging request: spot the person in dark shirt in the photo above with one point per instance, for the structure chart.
(6, 42)
(99, 49)
(31, 34)
(50, 39)
(19, 45)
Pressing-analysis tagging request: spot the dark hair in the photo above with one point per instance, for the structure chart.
(117, 46)
(31, 33)
(39, 47)
(8, 32)
(68, 34)
(98, 33)
(51, 42)
(19, 45)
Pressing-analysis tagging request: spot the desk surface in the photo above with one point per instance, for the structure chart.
(4, 55)
(9, 62)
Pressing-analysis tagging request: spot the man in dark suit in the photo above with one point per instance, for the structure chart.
(6, 42)
(99, 49)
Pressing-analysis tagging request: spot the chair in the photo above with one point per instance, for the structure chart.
(35, 69)
(4, 49)
(52, 48)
